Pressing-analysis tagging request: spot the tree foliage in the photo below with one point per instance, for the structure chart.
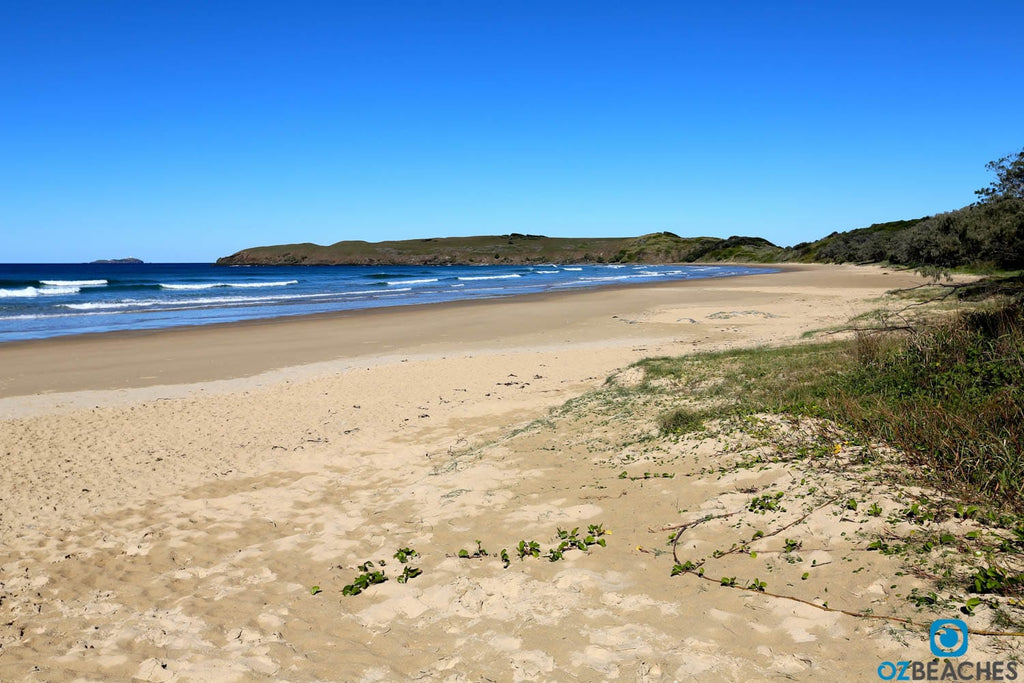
(1009, 182)
(988, 233)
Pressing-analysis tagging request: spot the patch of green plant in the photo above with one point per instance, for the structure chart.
(409, 573)
(479, 552)
(757, 585)
(884, 548)
(965, 511)
(996, 580)
(369, 577)
(403, 555)
(646, 475)
(768, 502)
(567, 540)
(969, 605)
(686, 566)
(375, 574)
(1015, 542)
(929, 599)
(531, 548)
(682, 421)
(570, 540)
(916, 514)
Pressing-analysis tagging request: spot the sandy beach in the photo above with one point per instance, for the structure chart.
(170, 499)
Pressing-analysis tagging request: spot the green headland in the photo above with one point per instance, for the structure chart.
(987, 235)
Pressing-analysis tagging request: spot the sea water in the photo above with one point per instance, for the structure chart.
(48, 300)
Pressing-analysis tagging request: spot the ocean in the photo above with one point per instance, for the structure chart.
(49, 300)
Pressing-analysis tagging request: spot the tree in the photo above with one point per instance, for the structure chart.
(1009, 183)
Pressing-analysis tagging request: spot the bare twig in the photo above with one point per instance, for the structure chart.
(683, 527)
(738, 546)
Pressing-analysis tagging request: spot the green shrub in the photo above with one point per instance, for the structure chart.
(682, 421)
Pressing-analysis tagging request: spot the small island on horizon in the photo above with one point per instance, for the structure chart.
(118, 260)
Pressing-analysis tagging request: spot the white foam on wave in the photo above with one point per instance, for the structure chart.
(546, 272)
(374, 291)
(392, 283)
(13, 293)
(109, 305)
(490, 277)
(27, 317)
(254, 285)
(190, 287)
(607, 278)
(213, 300)
(214, 285)
(74, 283)
(568, 268)
(27, 292)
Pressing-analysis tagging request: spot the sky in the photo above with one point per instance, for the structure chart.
(184, 131)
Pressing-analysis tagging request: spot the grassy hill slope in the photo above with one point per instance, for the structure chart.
(662, 247)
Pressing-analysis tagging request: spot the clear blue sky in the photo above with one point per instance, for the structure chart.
(184, 131)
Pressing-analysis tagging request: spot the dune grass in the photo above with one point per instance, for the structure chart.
(949, 396)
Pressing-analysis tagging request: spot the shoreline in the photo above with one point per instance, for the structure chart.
(207, 352)
(157, 518)
(189, 295)
(381, 310)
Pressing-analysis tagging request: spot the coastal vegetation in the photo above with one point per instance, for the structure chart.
(986, 235)
(949, 395)
(909, 440)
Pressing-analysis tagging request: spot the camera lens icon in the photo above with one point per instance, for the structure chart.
(948, 638)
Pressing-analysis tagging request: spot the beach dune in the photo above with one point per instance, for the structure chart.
(189, 504)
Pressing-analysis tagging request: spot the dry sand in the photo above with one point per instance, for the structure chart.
(170, 498)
